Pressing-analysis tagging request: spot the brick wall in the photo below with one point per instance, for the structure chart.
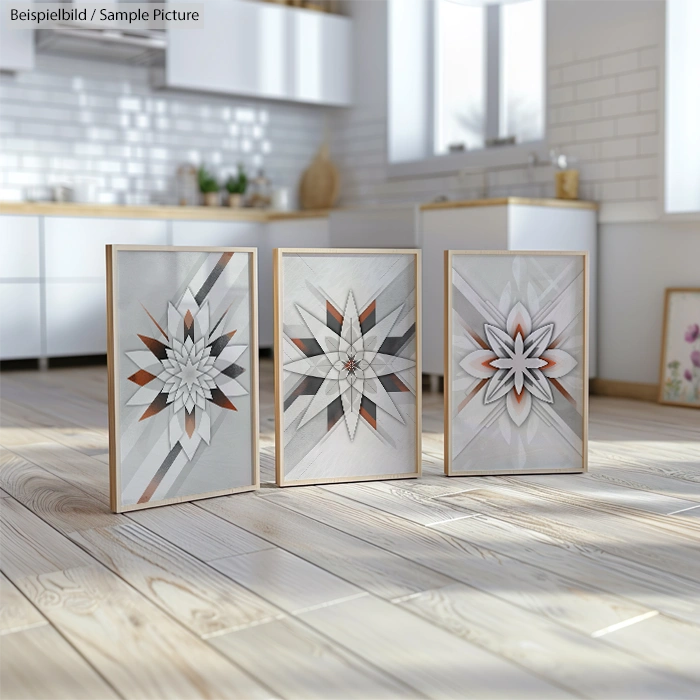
(72, 120)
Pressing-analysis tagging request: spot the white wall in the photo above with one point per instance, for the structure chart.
(605, 60)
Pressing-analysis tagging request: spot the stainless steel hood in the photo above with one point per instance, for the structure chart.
(116, 42)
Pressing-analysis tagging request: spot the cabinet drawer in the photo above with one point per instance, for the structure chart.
(19, 246)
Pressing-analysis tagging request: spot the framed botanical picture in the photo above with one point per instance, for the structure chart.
(516, 362)
(680, 351)
(183, 373)
(347, 365)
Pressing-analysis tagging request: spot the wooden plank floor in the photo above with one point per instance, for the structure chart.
(534, 586)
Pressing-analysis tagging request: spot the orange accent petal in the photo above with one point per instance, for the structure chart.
(368, 311)
(189, 423)
(368, 418)
(141, 377)
(334, 312)
(189, 320)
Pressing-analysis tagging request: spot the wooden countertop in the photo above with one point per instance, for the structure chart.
(503, 201)
(113, 211)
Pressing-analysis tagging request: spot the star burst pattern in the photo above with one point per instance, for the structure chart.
(351, 365)
(518, 364)
(192, 369)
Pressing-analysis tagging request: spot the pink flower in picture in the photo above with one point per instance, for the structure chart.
(693, 333)
(688, 375)
(695, 357)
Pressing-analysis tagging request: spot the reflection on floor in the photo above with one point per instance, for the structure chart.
(540, 586)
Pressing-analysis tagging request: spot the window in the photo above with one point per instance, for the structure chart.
(466, 77)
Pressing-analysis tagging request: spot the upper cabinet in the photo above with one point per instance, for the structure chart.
(263, 50)
(16, 45)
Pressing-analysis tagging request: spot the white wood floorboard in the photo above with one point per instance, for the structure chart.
(534, 586)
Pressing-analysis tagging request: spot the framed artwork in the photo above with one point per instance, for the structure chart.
(516, 362)
(347, 365)
(679, 384)
(183, 373)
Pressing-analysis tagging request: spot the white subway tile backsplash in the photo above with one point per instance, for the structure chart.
(640, 124)
(618, 148)
(594, 130)
(637, 81)
(648, 145)
(648, 101)
(581, 70)
(637, 167)
(648, 189)
(594, 89)
(621, 63)
(614, 106)
(561, 95)
(619, 190)
(81, 120)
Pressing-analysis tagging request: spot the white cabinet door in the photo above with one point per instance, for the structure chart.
(75, 277)
(75, 247)
(321, 45)
(19, 246)
(16, 45)
(246, 47)
(76, 318)
(20, 328)
(242, 48)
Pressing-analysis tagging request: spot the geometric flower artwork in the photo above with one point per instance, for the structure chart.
(348, 365)
(680, 353)
(183, 374)
(516, 377)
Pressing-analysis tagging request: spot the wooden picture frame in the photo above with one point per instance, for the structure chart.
(679, 369)
(335, 283)
(172, 316)
(486, 438)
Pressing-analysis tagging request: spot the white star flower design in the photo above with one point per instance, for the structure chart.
(352, 365)
(518, 364)
(193, 369)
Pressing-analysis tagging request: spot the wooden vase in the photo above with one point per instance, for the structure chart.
(566, 182)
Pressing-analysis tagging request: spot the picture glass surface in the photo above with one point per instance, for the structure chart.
(680, 380)
(517, 363)
(349, 366)
(185, 411)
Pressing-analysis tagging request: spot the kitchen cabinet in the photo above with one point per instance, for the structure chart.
(19, 247)
(256, 49)
(507, 224)
(75, 246)
(16, 45)
(20, 332)
(75, 270)
(20, 287)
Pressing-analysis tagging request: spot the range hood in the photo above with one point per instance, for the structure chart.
(117, 42)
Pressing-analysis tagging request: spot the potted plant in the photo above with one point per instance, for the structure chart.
(208, 186)
(236, 186)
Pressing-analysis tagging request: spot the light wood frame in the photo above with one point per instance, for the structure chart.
(113, 366)
(278, 255)
(667, 299)
(449, 254)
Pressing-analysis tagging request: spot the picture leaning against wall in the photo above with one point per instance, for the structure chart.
(347, 375)
(516, 377)
(183, 373)
(680, 352)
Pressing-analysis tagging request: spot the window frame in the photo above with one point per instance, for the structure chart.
(433, 164)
